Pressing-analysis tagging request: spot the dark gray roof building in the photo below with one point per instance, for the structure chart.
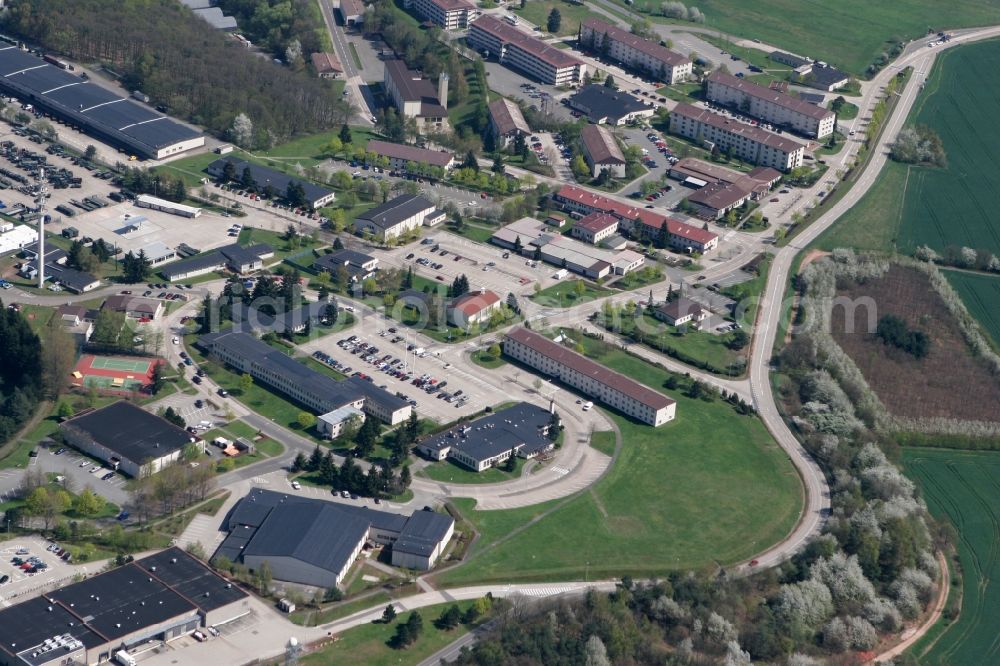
(158, 597)
(520, 429)
(602, 104)
(101, 113)
(138, 442)
(316, 196)
(234, 257)
(318, 391)
(315, 542)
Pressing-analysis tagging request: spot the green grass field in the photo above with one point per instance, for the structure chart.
(368, 644)
(450, 472)
(847, 33)
(485, 360)
(981, 295)
(563, 294)
(912, 206)
(962, 487)
(537, 12)
(708, 487)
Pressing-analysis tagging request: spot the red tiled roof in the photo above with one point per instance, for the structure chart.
(779, 98)
(588, 368)
(596, 222)
(475, 302)
(452, 5)
(601, 145)
(650, 48)
(511, 35)
(624, 211)
(410, 153)
(326, 62)
(735, 127)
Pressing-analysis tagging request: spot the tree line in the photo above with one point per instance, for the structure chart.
(193, 70)
(21, 365)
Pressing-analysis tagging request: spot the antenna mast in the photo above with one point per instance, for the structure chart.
(40, 201)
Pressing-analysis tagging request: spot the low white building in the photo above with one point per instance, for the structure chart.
(331, 424)
(146, 201)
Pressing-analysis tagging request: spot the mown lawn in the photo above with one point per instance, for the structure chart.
(448, 472)
(709, 487)
(564, 294)
(369, 644)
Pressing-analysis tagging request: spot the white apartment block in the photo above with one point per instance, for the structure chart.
(449, 14)
(519, 50)
(593, 379)
(747, 142)
(635, 52)
(770, 105)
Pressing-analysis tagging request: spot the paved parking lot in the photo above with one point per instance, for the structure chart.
(184, 405)
(507, 82)
(22, 584)
(428, 405)
(76, 467)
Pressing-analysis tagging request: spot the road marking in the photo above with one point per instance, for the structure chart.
(561, 471)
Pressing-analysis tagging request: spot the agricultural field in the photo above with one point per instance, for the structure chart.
(961, 487)
(981, 295)
(912, 206)
(709, 488)
(938, 385)
(849, 33)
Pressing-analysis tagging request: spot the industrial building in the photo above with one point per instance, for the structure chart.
(771, 106)
(635, 52)
(537, 240)
(94, 110)
(351, 12)
(204, 10)
(265, 178)
(128, 438)
(507, 122)
(416, 97)
(641, 223)
(315, 542)
(519, 430)
(589, 377)
(749, 143)
(448, 14)
(606, 105)
(157, 598)
(146, 201)
(236, 258)
(525, 53)
(601, 151)
(397, 217)
(319, 392)
(401, 155)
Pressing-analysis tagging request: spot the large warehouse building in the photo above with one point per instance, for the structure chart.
(128, 438)
(593, 379)
(315, 542)
(119, 122)
(158, 598)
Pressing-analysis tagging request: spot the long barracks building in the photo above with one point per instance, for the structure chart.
(523, 52)
(449, 14)
(643, 224)
(593, 379)
(747, 142)
(770, 105)
(634, 51)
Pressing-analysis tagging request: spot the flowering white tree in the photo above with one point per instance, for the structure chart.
(242, 131)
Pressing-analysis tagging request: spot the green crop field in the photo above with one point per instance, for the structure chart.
(962, 486)
(981, 295)
(912, 206)
(709, 487)
(845, 33)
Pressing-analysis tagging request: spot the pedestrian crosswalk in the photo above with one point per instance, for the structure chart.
(259, 479)
(560, 471)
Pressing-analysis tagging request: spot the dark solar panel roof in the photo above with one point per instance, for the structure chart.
(99, 111)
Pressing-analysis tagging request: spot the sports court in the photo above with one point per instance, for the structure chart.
(115, 373)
